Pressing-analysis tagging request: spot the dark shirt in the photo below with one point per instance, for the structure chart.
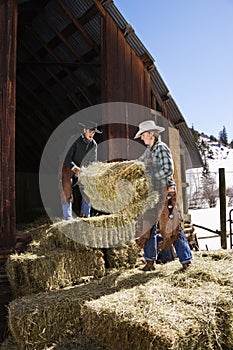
(82, 152)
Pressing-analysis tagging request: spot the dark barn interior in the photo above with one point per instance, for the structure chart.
(62, 68)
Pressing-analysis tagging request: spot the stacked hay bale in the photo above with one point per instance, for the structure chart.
(52, 261)
(63, 252)
(168, 310)
(163, 309)
(123, 191)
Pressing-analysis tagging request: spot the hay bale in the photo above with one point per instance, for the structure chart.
(106, 231)
(164, 319)
(100, 231)
(40, 320)
(43, 271)
(125, 256)
(54, 259)
(112, 187)
(171, 310)
(129, 309)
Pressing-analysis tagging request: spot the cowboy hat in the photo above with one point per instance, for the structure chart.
(148, 125)
(91, 126)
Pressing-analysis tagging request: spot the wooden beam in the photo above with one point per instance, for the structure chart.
(83, 89)
(80, 28)
(100, 7)
(48, 89)
(39, 103)
(8, 38)
(72, 97)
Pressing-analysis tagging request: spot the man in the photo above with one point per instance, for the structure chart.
(82, 152)
(159, 164)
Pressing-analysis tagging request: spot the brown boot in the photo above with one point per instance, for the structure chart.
(149, 266)
(186, 266)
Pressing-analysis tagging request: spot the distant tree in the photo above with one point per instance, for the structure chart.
(231, 144)
(204, 149)
(213, 138)
(206, 170)
(223, 136)
(195, 134)
(229, 193)
(209, 190)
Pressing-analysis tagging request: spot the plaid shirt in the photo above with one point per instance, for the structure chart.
(159, 163)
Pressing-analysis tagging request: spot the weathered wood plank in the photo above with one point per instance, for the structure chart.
(8, 38)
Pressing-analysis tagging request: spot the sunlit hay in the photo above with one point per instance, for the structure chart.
(111, 187)
(163, 309)
(44, 271)
(206, 269)
(40, 320)
(159, 314)
(220, 254)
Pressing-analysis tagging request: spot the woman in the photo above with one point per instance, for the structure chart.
(159, 163)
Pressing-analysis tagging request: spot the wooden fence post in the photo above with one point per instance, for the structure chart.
(222, 196)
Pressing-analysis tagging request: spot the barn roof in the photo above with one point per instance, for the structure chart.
(59, 71)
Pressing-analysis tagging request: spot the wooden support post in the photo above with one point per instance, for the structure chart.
(8, 39)
(222, 196)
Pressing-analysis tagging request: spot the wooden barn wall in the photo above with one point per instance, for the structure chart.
(124, 79)
(29, 205)
(8, 35)
(174, 138)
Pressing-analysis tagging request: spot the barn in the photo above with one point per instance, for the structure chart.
(59, 57)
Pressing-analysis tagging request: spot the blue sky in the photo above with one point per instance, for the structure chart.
(191, 42)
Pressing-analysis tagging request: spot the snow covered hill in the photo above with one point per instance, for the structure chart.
(217, 156)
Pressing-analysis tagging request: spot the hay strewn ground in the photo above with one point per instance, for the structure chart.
(129, 309)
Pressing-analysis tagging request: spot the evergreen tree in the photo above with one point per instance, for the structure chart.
(195, 134)
(223, 136)
(213, 138)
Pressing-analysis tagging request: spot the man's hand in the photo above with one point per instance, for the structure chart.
(75, 169)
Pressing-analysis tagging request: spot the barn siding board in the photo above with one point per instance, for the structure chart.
(123, 66)
(126, 80)
(8, 35)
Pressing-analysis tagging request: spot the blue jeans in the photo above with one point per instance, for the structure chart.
(181, 245)
(85, 204)
(85, 209)
(67, 211)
